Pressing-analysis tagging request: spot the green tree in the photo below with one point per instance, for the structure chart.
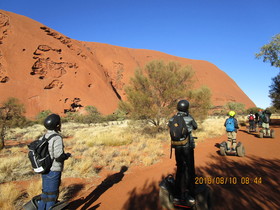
(200, 102)
(271, 53)
(274, 92)
(154, 91)
(11, 115)
(253, 110)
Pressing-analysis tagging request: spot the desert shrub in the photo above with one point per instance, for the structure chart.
(200, 102)
(70, 117)
(252, 110)
(92, 115)
(42, 116)
(239, 108)
(154, 91)
(118, 115)
(11, 114)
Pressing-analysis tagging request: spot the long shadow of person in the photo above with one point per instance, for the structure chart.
(98, 191)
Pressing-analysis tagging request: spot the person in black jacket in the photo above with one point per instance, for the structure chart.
(184, 180)
(265, 117)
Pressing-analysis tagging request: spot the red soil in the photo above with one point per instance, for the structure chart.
(137, 188)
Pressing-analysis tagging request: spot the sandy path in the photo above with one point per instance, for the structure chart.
(137, 188)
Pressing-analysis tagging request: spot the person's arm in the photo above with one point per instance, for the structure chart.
(58, 150)
(194, 124)
(236, 124)
(170, 121)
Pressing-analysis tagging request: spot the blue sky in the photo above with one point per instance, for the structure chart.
(225, 33)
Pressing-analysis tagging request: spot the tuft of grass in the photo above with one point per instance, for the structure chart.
(97, 146)
(34, 188)
(9, 195)
(14, 167)
(93, 147)
(82, 168)
(210, 128)
(108, 137)
(27, 133)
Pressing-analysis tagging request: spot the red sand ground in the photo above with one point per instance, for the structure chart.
(61, 69)
(137, 188)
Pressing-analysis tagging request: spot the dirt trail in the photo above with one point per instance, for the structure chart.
(137, 188)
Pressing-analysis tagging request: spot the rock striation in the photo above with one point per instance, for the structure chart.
(47, 70)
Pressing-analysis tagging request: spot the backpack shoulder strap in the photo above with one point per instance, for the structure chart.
(51, 136)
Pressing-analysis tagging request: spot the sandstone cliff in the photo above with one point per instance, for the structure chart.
(44, 69)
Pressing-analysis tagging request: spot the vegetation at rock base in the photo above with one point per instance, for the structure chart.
(11, 115)
(155, 90)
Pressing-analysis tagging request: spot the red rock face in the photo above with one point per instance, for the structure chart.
(46, 70)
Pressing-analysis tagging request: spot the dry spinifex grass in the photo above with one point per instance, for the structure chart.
(93, 148)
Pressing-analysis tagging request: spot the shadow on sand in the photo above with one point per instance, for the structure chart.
(85, 203)
(256, 186)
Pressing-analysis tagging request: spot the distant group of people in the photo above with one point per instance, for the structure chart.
(184, 183)
(260, 119)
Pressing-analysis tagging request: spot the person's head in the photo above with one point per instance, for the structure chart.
(266, 111)
(231, 113)
(53, 122)
(183, 106)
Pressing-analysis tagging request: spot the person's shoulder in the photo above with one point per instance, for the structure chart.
(53, 135)
(172, 118)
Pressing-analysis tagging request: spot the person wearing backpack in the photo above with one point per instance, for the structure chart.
(231, 125)
(183, 144)
(260, 118)
(265, 116)
(51, 180)
(257, 119)
(251, 118)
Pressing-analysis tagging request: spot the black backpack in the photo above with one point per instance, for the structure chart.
(39, 155)
(178, 128)
(178, 132)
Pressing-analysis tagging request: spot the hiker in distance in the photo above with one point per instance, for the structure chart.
(181, 126)
(52, 179)
(265, 118)
(231, 125)
(251, 119)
